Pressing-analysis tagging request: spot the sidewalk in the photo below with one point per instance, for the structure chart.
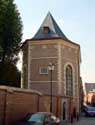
(82, 121)
(69, 122)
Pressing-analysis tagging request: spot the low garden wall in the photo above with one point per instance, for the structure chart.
(15, 103)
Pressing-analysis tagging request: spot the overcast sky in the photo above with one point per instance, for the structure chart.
(76, 19)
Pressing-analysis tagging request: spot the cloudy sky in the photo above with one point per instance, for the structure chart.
(76, 19)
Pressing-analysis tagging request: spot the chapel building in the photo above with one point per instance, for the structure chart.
(50, 46)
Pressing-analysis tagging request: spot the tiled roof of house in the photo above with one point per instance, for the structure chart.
(49, 29)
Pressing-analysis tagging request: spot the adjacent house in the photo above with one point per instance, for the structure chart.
(90, 93)
(51, 46)
(89, 87)
(91, 98)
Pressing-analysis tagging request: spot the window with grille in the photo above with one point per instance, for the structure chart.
(43, 70)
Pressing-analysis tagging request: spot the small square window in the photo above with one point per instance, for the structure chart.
(43, 70)
(46, 29)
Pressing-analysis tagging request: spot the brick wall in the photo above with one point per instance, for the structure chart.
(15, 103)
(2, 105)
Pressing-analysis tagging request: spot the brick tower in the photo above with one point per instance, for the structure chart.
(50, 45)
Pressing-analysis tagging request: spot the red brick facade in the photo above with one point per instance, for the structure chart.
(60, 53)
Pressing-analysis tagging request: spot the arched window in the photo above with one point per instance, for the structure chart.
(69, 81)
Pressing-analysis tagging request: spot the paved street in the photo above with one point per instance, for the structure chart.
(84, 121)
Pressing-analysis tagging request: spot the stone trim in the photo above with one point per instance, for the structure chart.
(29, 62)
(22, 72)
(61, 41)
(43, 57)
(59, 69)
(69, 60)
(42, 81)
(46, 40)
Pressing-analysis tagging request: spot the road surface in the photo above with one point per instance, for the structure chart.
(83, 121)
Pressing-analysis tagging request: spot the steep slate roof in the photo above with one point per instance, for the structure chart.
(54, 30)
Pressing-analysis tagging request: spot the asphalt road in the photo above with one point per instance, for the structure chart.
(84, 121)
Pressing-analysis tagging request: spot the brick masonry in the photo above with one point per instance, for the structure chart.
(15, 103)
(61, 53)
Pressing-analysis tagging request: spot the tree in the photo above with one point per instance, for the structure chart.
(9, 74)
(11, 30)
(10, 38)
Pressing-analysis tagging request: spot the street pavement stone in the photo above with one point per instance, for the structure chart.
(83, 121)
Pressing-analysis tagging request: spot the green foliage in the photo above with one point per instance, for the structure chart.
(10, 38)
(9, 74)
(10, 29)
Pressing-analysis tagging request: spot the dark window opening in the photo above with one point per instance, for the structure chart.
(46, 29)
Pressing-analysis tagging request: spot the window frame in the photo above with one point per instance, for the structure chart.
(43, 73)
(69, 80)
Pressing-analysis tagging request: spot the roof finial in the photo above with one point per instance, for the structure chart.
(49, 14)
